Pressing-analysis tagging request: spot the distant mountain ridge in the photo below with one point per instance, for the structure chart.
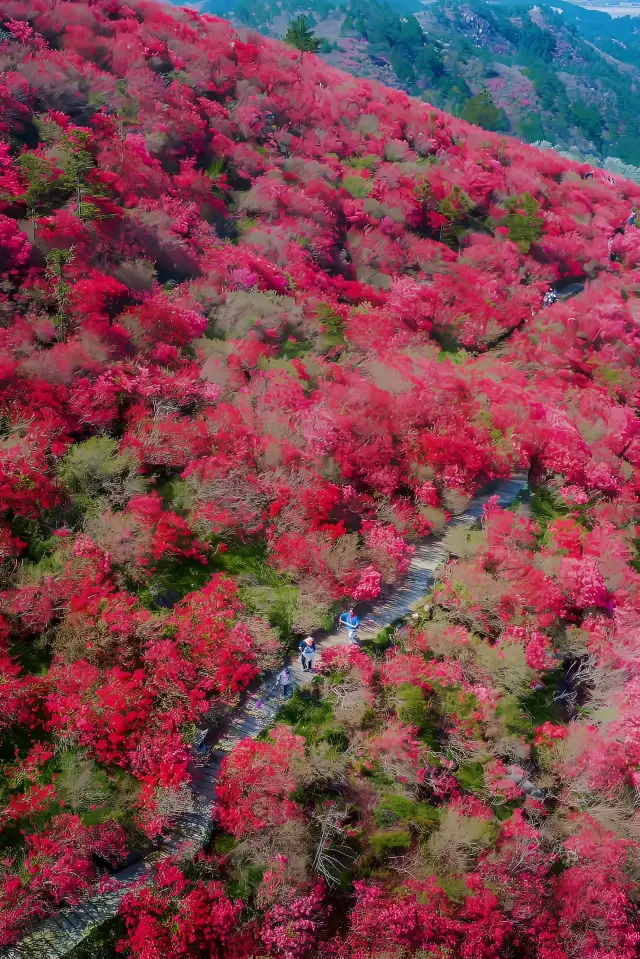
(559, 73)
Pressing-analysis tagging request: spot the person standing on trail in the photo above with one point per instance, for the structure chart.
(200, 742)
(308, 653)
(351, 621)
(284, 681)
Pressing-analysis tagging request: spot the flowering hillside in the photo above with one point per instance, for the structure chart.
(557, 73)
(264, 326)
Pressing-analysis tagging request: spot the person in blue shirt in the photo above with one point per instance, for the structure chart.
(200, 742)
(351, 621)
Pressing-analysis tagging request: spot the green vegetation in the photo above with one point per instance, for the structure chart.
(482, 111)
(394, 809)
(390, 842)
(301, 37)
(97, 474)
(498, 66)
(101, 942)
(524, 222)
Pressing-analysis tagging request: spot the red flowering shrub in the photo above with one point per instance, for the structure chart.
(256, 782)
(58, 867)
(292, 930)
(220, 650)
(14, 246)
(264, 326)
(179, 917)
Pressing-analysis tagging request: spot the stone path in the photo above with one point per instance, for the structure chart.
(56, 936)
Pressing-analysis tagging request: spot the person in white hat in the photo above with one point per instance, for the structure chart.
(308, 653)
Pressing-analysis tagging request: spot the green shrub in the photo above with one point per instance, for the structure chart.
(377, 646)
(482, 111)
(453, 701)
(375, 775)
(393, 809)
(244, 883)
(312, 718)
(332, 322)
(224, 844)
(300, 36)
(337, 737)
(413, 709)
(390, 842)
(425, 816)
(455, 845)
(80, 783)
(357, 186)
(396, 808)
(454, 888)
(471, 777)
(96, 469)
(524, 222)
(101, 942)
(367, 162)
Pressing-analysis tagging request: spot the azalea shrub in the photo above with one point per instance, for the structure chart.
(467, 772)
(264, 327)
(462, 784)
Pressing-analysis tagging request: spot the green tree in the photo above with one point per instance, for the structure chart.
(524, 221)
(300, 36)
(588, 120)
(530, 128)
(56, 262)
(429, 63)
(401, 66)
(482, 111)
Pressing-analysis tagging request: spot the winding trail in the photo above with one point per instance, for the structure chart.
(56, 937)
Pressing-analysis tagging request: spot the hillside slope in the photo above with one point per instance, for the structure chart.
(557, 72)
(264, 326)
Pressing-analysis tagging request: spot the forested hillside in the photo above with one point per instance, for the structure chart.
(263, 327)
(558, 73)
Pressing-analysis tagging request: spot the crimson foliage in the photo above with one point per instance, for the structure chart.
(263, 325)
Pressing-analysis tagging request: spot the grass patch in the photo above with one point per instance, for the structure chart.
(414, 710)
(101, 942)
(313, 718)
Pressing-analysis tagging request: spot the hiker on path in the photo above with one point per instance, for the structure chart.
(307, 653)
(284, 681)
(200, 742)
(351, 621)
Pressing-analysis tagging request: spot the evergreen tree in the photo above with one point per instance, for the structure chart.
(300, 36)
(482, 111)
